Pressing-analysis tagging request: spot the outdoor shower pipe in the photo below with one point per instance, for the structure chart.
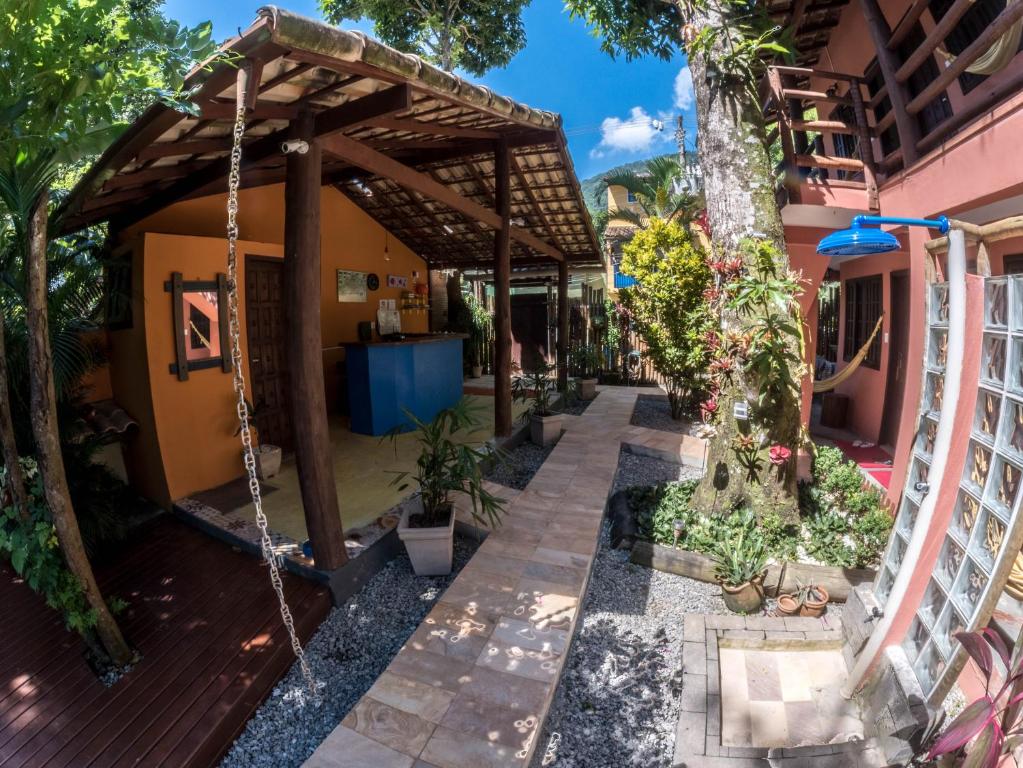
(942, 442)
(941, 223)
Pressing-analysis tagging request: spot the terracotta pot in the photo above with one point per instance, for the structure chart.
(815, 608)
(746, 598)
(430, 549)
(788, 605)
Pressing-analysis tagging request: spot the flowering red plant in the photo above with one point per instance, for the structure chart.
(709, 407)
(779, 455)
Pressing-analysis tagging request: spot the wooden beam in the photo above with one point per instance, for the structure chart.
(563, 332)
(313, 453)
(825, 126)
(791, 180)
(224, 110)
(817, 96)
(888, 63)
(502, 295)
(176, 148)
(431, 129)
(212, 176)
(531, 195)
(959, 119)
(866, 148)
(826, 161)
(364, 157)
(934, 38)
(906, 24)
(1013, 12)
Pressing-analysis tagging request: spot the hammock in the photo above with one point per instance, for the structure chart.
(997, 57)
(829, 384)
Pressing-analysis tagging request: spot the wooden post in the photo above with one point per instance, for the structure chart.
(502, 295)
(791, 180)
(563, 326)
(898, 96)
(865, 146)
(305, 362)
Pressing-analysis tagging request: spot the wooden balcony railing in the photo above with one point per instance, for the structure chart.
(787, 104)
(905, 116)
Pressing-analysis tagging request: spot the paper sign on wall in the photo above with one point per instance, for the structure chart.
(351, 286)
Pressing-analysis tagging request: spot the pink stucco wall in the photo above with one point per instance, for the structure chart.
(866, 387)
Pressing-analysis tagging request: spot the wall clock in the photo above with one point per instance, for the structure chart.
(372, 281)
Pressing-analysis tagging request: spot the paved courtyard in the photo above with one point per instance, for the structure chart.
(473, 685)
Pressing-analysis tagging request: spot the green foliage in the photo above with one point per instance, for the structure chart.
(742, 556)
(632, 28)
(474, 35)
(656, 191)
(847, 524)
(585, 360)
(842, 523)
(480, 328)
(668, 307)
(770, 349)
(535, 388)
(30, 542)
(446, 466)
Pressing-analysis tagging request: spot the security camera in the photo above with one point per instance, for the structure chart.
(294, 145)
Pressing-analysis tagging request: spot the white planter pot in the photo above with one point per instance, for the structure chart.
(430, 549)
(477, 371)
(587, 389)
(544, 429)
(268, 461)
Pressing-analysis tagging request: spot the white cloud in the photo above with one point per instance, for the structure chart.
(636, 133)
(684, 89)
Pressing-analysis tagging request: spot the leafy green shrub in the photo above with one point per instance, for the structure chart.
(30, 542)
(742, 556)
(842, 523)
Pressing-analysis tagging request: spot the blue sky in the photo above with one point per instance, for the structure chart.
(607, 106)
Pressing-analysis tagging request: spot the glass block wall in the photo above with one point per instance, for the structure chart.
(975, 557)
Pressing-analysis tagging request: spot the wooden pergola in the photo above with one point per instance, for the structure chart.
(463, 176)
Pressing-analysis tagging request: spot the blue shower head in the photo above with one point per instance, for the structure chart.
(860, 240)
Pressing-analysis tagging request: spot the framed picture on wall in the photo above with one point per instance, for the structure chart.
(351, 286)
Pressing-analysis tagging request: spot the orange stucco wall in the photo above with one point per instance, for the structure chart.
(186, 441)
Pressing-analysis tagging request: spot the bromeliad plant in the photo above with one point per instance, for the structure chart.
(990, 727)
(446, 466)
(741, 558)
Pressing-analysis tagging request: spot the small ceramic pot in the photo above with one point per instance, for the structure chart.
(788, 605)
(545, 429)
(268, 461)
(477, 371)
(815, 608)
(430, 549)
(587, 389)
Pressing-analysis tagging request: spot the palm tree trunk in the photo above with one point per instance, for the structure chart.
(739, 190)
(44, 429)
(8, 446)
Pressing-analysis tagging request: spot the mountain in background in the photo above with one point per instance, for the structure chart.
(594, 189)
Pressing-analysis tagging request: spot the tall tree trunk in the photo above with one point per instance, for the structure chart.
(739, 190)
(8, 447)
(44, 429)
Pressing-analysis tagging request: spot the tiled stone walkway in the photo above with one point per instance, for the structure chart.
(473, 685)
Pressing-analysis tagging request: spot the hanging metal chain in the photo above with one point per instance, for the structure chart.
(266, 544)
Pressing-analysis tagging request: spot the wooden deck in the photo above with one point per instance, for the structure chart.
(205, 620)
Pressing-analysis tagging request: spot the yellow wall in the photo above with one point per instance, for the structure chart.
(186, 442)
(618, 199)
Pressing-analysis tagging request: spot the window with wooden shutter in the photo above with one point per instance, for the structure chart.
(1013, 265)
(864, 303)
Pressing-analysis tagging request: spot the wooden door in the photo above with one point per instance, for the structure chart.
(268, 361)
(898, 358)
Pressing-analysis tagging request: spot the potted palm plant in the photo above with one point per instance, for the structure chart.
(740, 562)
(586, 360)
(481, 325)
(536, 390)
(445, 466)
(268, 457)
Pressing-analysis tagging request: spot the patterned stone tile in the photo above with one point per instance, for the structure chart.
(345, 748)
(527, 635)
(454, 749)
(426, 701)
(394, 728)
(444, 672)
(542, 665)
(492, 722)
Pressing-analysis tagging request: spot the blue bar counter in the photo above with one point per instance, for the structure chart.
(419, 374)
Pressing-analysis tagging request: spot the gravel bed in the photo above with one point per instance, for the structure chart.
(349, 651)
(646, 470)
(619, 697)
(654, 412)
(519, 465)
(577, 407)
